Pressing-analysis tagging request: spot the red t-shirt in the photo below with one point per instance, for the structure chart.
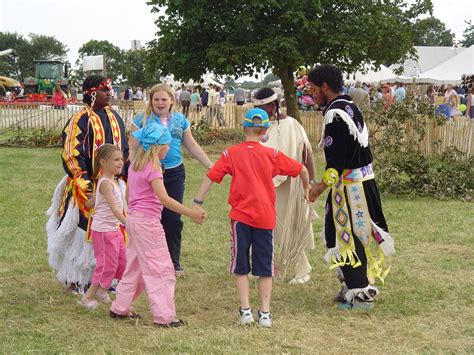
(252, 194)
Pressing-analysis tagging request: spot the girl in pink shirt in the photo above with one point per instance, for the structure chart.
(108, 241)
(149, 264)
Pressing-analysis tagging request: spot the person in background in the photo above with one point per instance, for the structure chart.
(138, 95)
(185, 99)
(451, 99)
(400, 92)
(470, 104)
(239, 96)
(387, 96)
(59, 98)
(360, 96)
(195, 101)
(431, 94)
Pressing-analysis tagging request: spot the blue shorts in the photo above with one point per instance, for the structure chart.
(261, 241)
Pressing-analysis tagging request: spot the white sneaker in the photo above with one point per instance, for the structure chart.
(245, 316)
(265, 319)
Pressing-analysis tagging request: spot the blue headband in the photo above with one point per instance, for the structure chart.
(152, 133)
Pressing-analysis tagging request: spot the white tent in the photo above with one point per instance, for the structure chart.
(427, 58)
(372, 76)
(450, 71)
(206, 80)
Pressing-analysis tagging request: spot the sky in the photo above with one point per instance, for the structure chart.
(75, 22)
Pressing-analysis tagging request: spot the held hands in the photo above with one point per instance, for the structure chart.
(316, 190)
(306, 192)
(198, 215)
(90, 200)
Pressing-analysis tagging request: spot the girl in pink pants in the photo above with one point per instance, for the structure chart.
(149, 263)
(108, 241)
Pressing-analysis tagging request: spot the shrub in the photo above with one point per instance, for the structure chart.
(401, 169)
(38, 137)
(440, 176)
(205, 135)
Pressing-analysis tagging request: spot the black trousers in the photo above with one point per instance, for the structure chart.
(174, 181)
(185, 105)
(356, 277)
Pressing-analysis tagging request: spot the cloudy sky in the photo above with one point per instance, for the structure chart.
(74, 22)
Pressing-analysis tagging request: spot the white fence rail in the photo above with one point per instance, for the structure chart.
(458, 133)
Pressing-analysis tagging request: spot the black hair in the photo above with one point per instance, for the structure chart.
(329, 74)
(263, 93)
(90, 82)
(266, 92)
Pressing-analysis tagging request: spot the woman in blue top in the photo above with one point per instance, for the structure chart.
(160, 109)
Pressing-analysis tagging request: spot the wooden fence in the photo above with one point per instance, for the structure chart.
(458, 133)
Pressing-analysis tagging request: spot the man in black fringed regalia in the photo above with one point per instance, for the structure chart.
(355, 230)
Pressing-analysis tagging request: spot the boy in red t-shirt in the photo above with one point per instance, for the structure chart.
(253, 215)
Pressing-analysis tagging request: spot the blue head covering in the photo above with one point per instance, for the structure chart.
(152, 133)
(256, 113)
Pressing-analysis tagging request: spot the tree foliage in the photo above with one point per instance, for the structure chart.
(468, 35)
(432, 32)
(20, 65)
(236, 37)
(135, 70)
(114, 58)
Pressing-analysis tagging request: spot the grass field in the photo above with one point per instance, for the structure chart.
(426, 305)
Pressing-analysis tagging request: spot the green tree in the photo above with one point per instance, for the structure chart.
(114, 59)
(135, 70)
(236, 37)
(432, 32)
(9, 64)
(20, 65)
(468, 35)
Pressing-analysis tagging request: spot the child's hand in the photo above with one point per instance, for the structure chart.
(90, 200)
(306, 191)
(198, 215)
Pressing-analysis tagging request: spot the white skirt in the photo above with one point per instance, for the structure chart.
(69, 254)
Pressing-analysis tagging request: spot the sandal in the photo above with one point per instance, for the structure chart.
(173, 324)
(131, 315)
(103, 296)
(89, 304)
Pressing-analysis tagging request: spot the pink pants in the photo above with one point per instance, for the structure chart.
(149, 266)
(109, 251)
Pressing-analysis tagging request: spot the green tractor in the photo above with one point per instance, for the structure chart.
(48, 74)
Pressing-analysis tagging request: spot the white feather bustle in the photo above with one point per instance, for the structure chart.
(68, 252)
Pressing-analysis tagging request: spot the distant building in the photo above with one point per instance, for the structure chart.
(136, 45)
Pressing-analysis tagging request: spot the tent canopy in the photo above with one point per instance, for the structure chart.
(428, 58)
(206, 80)
(450, 71)
(372, 76)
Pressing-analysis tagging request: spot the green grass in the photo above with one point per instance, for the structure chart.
(425, 306)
